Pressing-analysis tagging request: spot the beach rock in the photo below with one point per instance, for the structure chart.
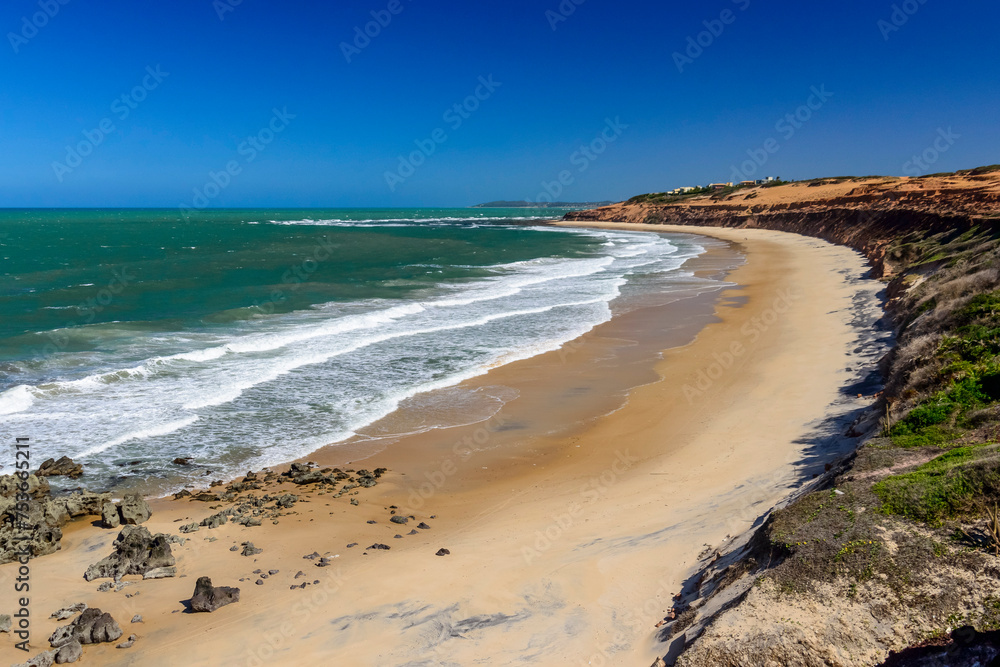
(183, 493)
(133, 509)
(250, 550)
(93, 626)
(137, 619)
(69, 652)
(183, 461)
(35, 526)
(44, 659)
(5, 622)
(215, 520)
(400, 519)
(206, 497)
(189, 528)
(443, 552)
(208, 598)
(160, 573)
(423, 526)
(382, 547)
(109, 515)
(135, 552)
(63, 467)
(66, 612)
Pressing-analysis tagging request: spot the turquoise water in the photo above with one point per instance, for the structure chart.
(245, 338)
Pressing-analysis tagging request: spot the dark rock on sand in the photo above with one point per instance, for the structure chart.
(250, 550)
(377, 546)
(423, 526)
(69, 652)
(135, 552)
(443, 552)
(93, 626)
(208, 598)
(63, 467)
(400, 519)
(215, 520)
(131, 511)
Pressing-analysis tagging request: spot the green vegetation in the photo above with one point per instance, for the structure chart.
(949, 486)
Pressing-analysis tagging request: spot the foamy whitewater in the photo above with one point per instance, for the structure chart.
(274, 387)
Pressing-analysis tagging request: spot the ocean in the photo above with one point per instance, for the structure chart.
(247, 338)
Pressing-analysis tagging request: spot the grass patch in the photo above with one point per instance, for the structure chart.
(949, 486)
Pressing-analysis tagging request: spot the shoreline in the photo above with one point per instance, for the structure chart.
(545, 560)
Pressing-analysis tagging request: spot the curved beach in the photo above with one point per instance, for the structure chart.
(565, 548)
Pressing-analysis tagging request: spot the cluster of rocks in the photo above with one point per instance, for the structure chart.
(37, 524)
(138, 552)
(131, 511)
(304, 473)
(92, 626)
(249, 513)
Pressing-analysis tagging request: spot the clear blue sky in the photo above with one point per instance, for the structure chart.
(892, 92)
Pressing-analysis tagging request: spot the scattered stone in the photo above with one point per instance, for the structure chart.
(93, 626)
(69, 652)
(133, 509)
(105, 587)
(137, 619)
(66, 612)
(183, 493)
(64, 466)
(397, 537)
(324, 562)
(160, 573)
(352, 545)
(183, 461)
(135, 552)
(298, 574)
(177, 539)
(423, 526)
(383, 547)
(273, 572)
(234, 548)
(372, 521)
(215, 520)
(259, 582)
(313, 556)
(5, 621)
(109, 515)
(208, 598)
(442, 552)
(44, 659)
(413, 531)
(354, 501)
(399, 518)
(250, 550)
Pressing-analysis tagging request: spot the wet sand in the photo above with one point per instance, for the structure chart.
(567, 544)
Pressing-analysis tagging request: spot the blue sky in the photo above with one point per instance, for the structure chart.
(560, 72)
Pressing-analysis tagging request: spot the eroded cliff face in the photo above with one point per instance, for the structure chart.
(865, 214)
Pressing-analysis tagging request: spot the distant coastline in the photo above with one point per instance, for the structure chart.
(528, 204)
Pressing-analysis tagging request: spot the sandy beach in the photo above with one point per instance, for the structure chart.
(565, 548)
